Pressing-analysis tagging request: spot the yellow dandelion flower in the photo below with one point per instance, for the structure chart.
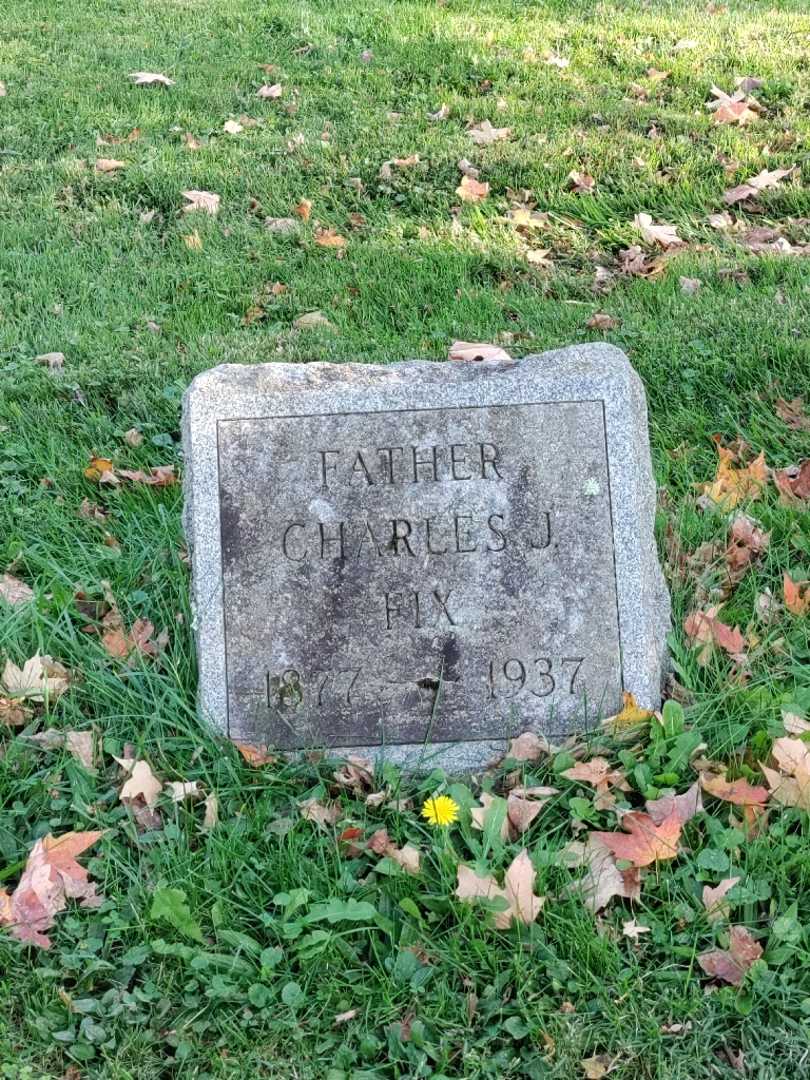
(440, 810)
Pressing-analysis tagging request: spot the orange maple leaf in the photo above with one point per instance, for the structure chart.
(733, 482)
(739, 792)
(797, 595)
(647, 842)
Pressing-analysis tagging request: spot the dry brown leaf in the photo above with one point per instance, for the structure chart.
(193, 241)
(603, 879)
(467, 168)
(734, 481)
(108, 165)
(344, 1017)
(206, 202)
(232, 127)
(684, 806)
(529, 747)
(581, 183)
(739, 792)
(754, 184)
(664, 235)
(39, 678)
(80, 745)
(731, 965)
(320, 813)
(793, 413)
(101, 471)
(634, 930)
(211, 816)
(442, 113)
(356, 773)
(796, 595)
(13, 713)
(468, 350)
(191, 142)
(690, 285)
(269, 91)
(312, 320)
(54, 361)
(793, 484)
(600, 320)
(747, 541)
(647, 842)
(158, 476)
(180, 790)
(598, 1066)
(554, 59)
(484, 134)
(13, 591)
(517, 890)
(126, 644)
(51, 877)
(281, 226)
(150, 78)
(142, 783)
(714, 901)
(470, 190)
(598, 773)
(408, 857)
(255, 756)
(539, 257)
(330, 238)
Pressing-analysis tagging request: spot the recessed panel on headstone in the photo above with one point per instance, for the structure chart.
(422, 555)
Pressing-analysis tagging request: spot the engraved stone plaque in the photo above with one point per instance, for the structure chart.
(422, 559)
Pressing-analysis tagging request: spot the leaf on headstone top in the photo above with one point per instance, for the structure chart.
(684, 806)
(664, 235)
(484, 134)
(142, 783)
(206, 202)
(517, 891)
(470, 190)
(269, 91)
(714, 901)
(51, 877)
(38, 679)
(643, 842)
(13, 591)
(150, 78)
(170, 906)
(730, 965)
(468, 350)
(796, 595)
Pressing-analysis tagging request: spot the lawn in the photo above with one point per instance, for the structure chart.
(229, 949)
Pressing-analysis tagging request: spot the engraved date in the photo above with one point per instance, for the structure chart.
(539, 676)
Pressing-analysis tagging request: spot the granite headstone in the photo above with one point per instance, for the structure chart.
(421, 560)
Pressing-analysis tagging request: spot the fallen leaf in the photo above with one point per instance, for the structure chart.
(344, 1017)
(467, 350)
(51, 877)
(54, 361)
(603, 879)
(442, 113)
(598, 773)
(555, 60)
(684, 806)
(329, 238)
(539, 257)
(80, 745)
(647, 842)
(468, 169)
(796, 595)
(664, 235)
(191, 142)
(517, 891)
(312, 320)
(14, 713)
(690, 285)
(731, 965)
(101, 471)
(739, 792)
(408, 857)
(320, 813)
(356, 773)
(634, 930)
(180, 790)
(193, 241)
(635, 263)
(150, 78)
(735, 482)
(271, 92)
(39, 678)
(126, 644)
(158, 476)
(747, 541)
(281, 226)
(142, 783)
(255, 756)
(470, 190)
(484, 134)
(600, 320)
(793, 413)
(107, 165)
(13, 591)
(581, 183)
(529, 747)
(721, 221)
(211, 816)
(754, 184)
(133, 437)
(303, 210)
(737, 108)
(3, 90)
(714, 902)
(205, 201)
(232, 127)
(793, 484)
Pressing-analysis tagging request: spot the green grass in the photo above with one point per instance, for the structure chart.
(80, 273)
